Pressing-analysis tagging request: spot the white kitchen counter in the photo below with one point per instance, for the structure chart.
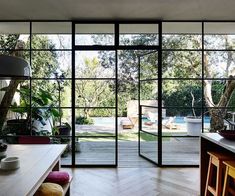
(219, 140)
(212, 142)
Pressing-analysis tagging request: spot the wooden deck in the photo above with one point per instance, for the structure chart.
(176, 151)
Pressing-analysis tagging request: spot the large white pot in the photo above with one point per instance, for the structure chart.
(194, 126)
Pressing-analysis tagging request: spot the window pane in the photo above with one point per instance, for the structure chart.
(219, 35)
(218, 91)
(181, 64)
(54, 93)
(175, 121)
(183, 93)
(95, 64)
(148, 66)
(44, 93)
(95, 151)
(180, 151)
(12, 33)
(149, 90)
(149, 146)
(219, 64)
(182, 35)
(51, 35)
(95, 122)
(94, 34)
(45, 64)
(138, 34)
(95, 93)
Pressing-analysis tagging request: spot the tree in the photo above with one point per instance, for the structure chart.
(12, 42)
(127, 66)
(93, 93)
(218, 110)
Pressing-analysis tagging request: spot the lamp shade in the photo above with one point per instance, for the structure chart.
(11, 66)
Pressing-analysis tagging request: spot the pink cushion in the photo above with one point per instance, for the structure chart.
(58, 177)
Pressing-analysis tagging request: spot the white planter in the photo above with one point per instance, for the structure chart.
(194, 126)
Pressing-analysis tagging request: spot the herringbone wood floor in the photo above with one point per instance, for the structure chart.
(135, 182)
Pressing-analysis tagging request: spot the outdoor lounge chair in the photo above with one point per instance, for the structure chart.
(153, 117)
(169, 123)
(128, 123)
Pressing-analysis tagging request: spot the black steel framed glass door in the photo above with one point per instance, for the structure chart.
(95, 96)
(148, 106)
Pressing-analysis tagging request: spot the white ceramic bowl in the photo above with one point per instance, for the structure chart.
(10, 163)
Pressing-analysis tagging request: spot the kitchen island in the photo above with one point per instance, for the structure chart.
(212, 142)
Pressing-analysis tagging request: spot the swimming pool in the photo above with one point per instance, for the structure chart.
(180, 119)
(111, 120)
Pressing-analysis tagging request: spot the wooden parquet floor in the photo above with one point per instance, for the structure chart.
(134, 181)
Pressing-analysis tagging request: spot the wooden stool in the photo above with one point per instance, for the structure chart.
(216, 161)
(230, 173)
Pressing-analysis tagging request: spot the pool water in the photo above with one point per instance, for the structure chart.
(180, 119)
(111, 120)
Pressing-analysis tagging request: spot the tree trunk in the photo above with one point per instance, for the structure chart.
(87, 113)
(217, 119)
(7, 100)
(9, 94)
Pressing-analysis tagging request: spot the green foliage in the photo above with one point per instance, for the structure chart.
(41, 98)
(8, 41)
(84, 120)
(93, 93)
(178, 95)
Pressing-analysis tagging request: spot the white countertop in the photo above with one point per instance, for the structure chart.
(219, 140)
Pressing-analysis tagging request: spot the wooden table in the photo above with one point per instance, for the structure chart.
(36, 161)
(212, 142)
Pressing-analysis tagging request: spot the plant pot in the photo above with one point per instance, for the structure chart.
(64, 130)
(193, 125)
(77, 146)
(11, 138)
(18, 126)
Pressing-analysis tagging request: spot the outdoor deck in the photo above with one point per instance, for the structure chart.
(176, 151)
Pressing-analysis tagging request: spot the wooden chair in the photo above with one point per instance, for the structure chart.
(229, 178)
(215, 162)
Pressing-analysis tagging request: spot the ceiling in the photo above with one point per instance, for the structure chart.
(117, 9)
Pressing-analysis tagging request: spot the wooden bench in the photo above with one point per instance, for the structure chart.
(66, 187)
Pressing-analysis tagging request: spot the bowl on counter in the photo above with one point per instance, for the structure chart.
(227, 134)
(10, 163)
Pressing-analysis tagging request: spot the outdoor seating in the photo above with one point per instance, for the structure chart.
(169, 123)
(128, 123)
(166, 123)
(152, 116)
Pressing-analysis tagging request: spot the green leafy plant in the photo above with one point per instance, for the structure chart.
(42, 107)
(82, 120)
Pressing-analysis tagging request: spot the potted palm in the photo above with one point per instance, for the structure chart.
(193, 123)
